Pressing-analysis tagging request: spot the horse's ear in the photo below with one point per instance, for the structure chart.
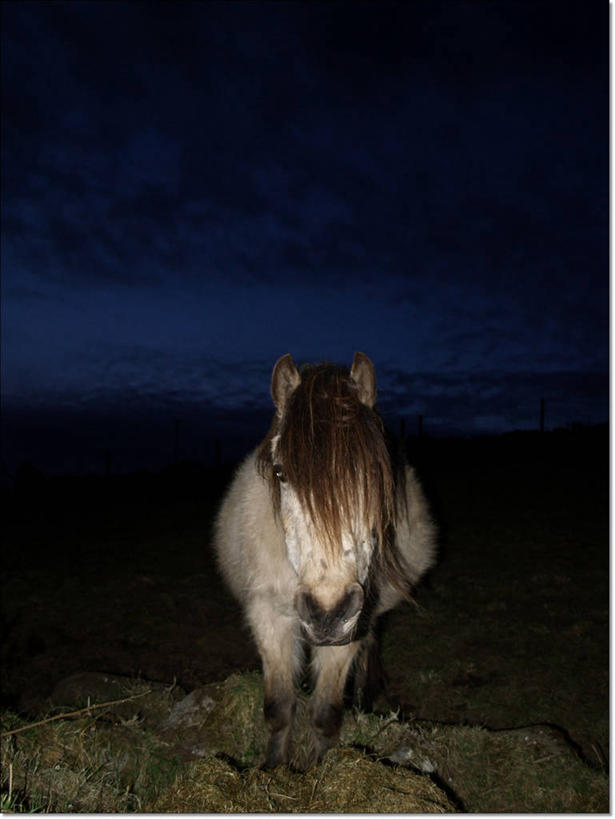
(284, 380)
(363, 374)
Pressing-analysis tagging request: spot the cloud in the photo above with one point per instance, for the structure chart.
(211, 132)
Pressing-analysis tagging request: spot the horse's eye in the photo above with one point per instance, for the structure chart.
(279, 473)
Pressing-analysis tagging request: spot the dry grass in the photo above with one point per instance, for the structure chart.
(347, 781)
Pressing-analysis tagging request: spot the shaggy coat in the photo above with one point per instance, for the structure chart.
(317, 536)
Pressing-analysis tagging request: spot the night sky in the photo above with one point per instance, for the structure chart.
(191, 190)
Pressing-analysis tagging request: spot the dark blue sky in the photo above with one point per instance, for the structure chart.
(192, 189)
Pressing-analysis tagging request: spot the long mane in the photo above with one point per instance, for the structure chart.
(334, 455)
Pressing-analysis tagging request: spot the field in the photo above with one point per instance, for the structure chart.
(511, 629)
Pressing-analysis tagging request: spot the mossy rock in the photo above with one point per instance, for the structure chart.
(220, 718)
(129, 698)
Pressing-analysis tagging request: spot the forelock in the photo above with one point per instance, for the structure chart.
(334, 455)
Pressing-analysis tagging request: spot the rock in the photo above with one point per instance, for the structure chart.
(190, 712)
(151, 704)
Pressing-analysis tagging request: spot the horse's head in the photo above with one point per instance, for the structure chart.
(333, 488)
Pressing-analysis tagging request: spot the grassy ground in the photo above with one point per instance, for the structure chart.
(152, 749)
(511, 630)
(514, 625)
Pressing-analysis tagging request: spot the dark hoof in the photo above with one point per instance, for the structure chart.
(275, 756)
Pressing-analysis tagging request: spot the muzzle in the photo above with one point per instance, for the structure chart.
(330, 627)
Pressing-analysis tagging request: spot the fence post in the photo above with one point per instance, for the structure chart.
(218, 452)
(401, 444)
(176, 440)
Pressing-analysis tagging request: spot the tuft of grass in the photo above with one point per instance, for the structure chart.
(84, 765)
(14, 801)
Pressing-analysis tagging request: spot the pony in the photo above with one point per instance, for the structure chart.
(317, 536)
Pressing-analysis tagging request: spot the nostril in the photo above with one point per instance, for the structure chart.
(305, 605)
(352, 602)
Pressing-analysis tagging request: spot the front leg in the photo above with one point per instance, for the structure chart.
(275, 636)
(330, 665)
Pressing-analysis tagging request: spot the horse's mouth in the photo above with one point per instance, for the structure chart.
(331, 642)
(324, 640)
